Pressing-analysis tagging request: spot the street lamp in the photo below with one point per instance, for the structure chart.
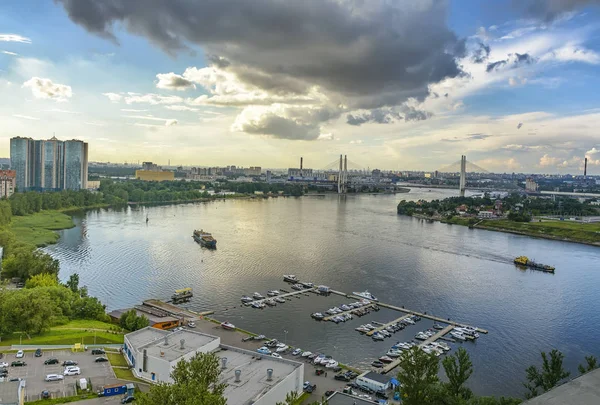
(286, 332)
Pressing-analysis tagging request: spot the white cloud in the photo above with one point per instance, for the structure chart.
(132, 110)
(592, 151)
(326, 137)
(152, 99)
(113, 97)
(58, 110)
(170, 123)
(167, 121)
(14, 38)
(356, 142)
(95, 124)
(26, 117)
(548, 161)
(516, 81)
(180, 108)
(45, 89)
(172, 81)
(9, 53)
(572, 53)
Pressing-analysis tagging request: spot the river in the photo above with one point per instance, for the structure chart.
(350, 244)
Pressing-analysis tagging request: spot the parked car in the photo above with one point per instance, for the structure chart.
(264, 350)
(51, 360)
(191, 324)
(38, 353)
(69, 363)
(54, 377)
(3, 364)
(308, 387)
(20, 354)
(15, 379)
(319, 371)
(381, 394)
(98, 351)
(101, 359)
(18, 363)
(341, 377)
(128, 399)
(3, 372)
(72, 371)
(45, 394)
(328, 393)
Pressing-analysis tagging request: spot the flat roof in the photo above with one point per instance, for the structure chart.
(583, 390)
(172, 350)
(152, 318)
(339, 398)
(253, 379)
(9, 392)
(371, 375)
(144, 336)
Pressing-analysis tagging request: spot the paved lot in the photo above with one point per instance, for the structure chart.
(35, 372)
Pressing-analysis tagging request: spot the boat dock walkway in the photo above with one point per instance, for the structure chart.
(174, 310)
(330, 317)
(390, 366)
(383, 326)
(289, 294)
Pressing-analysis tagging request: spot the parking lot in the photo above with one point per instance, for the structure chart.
(35, 371)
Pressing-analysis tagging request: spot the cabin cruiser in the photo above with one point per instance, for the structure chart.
(312, 356)
(393, 353)
(362, 329)
(306, 354)
(296, 352)
(458, 335)
(377, 336)
(416, 318)
(272, 293)
(298, 287)
(338, 319)
(345, 307)
(377, 364)
(259, 305)
(365, 294)
(385, 333)
(257, 296)
(347, 317)
(385, 359)
(408, 321)
(279, 299)
(270, 303)
(438, 326)
(467, 332)
(441, 345)
(281, 349)
(319, 359)
(227, 325)
(290, 278)
(369, 326)
(246, 299)
(308, 285)
(259, 337)
(331, 364)
(318, 316)
(272, 343)
(421, 336)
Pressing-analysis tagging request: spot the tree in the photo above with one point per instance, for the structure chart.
(551, 374)
(458, 370)
(290, 398)
(42, 280)
(24, 262)
(195, 382)
(73, 282)
(131, 321)
(418, 376)
(590, 364)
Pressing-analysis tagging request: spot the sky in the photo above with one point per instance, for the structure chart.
(393, 84)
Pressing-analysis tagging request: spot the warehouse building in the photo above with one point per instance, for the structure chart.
(250, 377)
(12, 392)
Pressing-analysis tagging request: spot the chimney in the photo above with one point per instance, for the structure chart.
(269, 374)
(182, 344)
(238, 373)
(166, 340)
(223, 362)
(585, 168)
(301, 162)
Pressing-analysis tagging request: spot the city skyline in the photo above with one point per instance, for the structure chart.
(400, 86)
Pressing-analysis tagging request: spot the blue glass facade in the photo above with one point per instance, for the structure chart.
(21, 153)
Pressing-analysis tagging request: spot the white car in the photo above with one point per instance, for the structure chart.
(3, 364)
(54, 377)
(191, 324)
(20, 354)
(276, 355)
(72, 371)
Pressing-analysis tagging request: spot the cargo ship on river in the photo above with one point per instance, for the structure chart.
(205, 239)
(524, 261)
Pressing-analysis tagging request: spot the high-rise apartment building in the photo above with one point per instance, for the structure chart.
(7, 183)
(45, 165)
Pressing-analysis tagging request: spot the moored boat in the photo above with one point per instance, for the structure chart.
(205, 239)
(182, 294)
(227, 325)
(257, 296)
(290, 278)
(246, 299)
(385, 359)
(365, 294)
(279, 299)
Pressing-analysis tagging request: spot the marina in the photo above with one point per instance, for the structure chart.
(330, 317)
(383, 326)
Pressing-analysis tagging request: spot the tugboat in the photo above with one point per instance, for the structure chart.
(205, 239)
(524, 261)
(182, 295)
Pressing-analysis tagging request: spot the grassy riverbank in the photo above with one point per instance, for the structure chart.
(39, 229)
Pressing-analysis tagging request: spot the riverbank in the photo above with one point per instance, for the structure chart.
(39, 229)
(585, 233)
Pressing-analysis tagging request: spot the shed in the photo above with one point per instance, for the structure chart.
(114, 389)
(374, 381)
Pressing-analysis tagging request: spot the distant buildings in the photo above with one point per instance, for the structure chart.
(49, 165)
(7, 183)
(531, 185)
(153, 172)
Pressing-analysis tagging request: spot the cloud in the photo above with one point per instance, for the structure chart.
(113, 97)
(180, 108)
(547, 161)
(572, 53)
(172, 81)
(46, 89)
(516, 81)
(132, 110)
(379, 116)
(26, 117)
(513, 61)
(167, 121)
(14, 38)
(549, 10)
(470, 137)
(151, 98)
(356, 142)
(592, 152)
(481, 54)
(170, 123)
(330, 55)
(58, 110)
(9, 53)
(326, 137)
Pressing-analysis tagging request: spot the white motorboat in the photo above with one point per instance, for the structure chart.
(308, 285)
(272, 293)
(465, 331)
(369, 326)
(409, 321)
(458, 335)
(279, 299)
(362, 329)
(378, 336)
(258, 296)
(290, 278)
(298, 287)
(306, 354)
(332, 364)
(443, 346)
(270, 302)
(365, 294)
(258, 305)
(393, 353)
(297, 352)
(345, 307)
(227, 325)
(385, 333)
(319, 359)
(421, 336)
(282, 349)
(246, 299)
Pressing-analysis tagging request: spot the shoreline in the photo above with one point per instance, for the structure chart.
(504, 230)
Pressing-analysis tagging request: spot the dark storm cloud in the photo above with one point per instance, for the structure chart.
(282, 127)
(549, 10)
(513, 61)
(349, 48)
(482, 53)
(378, 116)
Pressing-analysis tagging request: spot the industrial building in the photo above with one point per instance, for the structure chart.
(250, 377)
(7, 183)
(12, 392)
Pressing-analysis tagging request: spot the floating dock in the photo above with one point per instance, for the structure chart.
(289, 294)
(330, 317)
(385, 325)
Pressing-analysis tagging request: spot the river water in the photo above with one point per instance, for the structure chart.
(351, 245)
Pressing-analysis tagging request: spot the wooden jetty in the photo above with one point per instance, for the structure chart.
(372, 332)
(328, 318)
(290, 294)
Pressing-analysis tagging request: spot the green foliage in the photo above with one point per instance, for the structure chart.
(25, 262)
(131, 321)
(42, 280)
(195, 382)
(458, 368)
(519, 217)
(591, 363)
(418, 375)
(73, 282)
(548, 377)
(5, 213)
(290, 399)
(31, 202)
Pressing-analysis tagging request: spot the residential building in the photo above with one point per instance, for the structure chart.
(49, 165)
(531, 185)
(7, 183)
(154, 175)
(485, 214)
(250, 377)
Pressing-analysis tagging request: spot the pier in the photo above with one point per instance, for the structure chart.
(289, 294)
(382, 327)
(328, 318)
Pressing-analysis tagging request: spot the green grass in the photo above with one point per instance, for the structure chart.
(64, 400)
(87, 324)
(117, 359)
(61, 335)
(126, 374)
(457, 221)
(566, 230)
(39, 229)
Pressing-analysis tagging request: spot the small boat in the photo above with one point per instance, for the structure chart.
(297, 352)
(393, 353)
(421, 336)
(378, 336)
(385, 359)
(282, 349)
(270, 303)
(332, 364)
(279, 299)
(298, 287)
(246, 299)
(319, 359)
(369, 326)
(409, 321)
(258, 296)
(362, 329)
(385, 333)
(182, 294)
(259, 337)
(290, 278)
(272, 293)
(458, 335)
(259, 305)
(312, 356)
(308, 285)
(306, 354)
(438, 326)
(377, 364)
(318, 316)
(227, 325)
(467, 331)
(365, 294)
(345, 307)
(416, 318)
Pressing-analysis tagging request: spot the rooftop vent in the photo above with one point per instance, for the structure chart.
(223, 362)
(166, 341)
(182, 344)
(269, 374)
(238, 373)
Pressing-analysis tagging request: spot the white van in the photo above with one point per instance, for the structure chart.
(73, 370)
(54, 377)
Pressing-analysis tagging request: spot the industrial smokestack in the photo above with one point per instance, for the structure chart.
(269, 374)
(238, 373)
(301, 158)
(585, 168)
(223, 362)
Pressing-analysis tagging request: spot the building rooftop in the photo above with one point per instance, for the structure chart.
(9, 393)
(170, 347)
(253, 378)
(371, 375)
(584, 390)
(339, 398)
(144, 336)
(153, 318)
